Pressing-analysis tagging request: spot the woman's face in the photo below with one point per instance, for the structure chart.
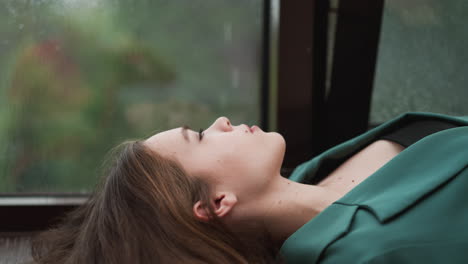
(229, 158)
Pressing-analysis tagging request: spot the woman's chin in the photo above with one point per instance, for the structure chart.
(279, 147)
(281, 140)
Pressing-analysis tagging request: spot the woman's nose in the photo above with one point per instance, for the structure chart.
(223, 124)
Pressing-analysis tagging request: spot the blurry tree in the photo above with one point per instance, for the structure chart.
(64, 92)
(79, 76)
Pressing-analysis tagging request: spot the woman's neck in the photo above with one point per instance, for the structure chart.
(288, 205)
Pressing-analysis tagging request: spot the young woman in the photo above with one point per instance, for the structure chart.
(392, 195)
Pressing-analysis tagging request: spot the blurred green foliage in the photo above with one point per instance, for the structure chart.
(79, 76)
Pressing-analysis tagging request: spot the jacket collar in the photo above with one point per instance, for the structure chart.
(412, 173)
(308, 242)
(306, 171)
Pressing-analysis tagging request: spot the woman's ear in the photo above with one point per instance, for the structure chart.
(222, 204)
(201, 212)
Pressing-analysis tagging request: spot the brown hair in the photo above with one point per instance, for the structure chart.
(141, 212)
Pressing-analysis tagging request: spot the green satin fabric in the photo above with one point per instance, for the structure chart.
(412, 210)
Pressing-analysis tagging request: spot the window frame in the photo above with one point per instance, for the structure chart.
(310, 118)
(34, 212)
(353, 71)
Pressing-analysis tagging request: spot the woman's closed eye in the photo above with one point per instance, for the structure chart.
(200, 134)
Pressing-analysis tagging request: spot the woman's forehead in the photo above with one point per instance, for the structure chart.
(168, 141)
(163, 136)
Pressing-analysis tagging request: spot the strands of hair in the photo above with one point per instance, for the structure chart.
(141, 212)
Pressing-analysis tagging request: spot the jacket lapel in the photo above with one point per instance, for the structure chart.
(308, 242)
(412, 173)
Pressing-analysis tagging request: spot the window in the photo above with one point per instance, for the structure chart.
(79, 76)
(422, 57)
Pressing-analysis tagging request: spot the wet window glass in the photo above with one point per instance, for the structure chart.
(78, 77)
(422, 59)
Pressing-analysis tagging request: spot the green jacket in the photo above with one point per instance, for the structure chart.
(412, 210)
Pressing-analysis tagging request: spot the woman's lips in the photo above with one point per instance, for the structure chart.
(253, 128)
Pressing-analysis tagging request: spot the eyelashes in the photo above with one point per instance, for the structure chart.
(200, 134)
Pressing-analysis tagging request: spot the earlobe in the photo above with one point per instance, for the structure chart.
(222, 204)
